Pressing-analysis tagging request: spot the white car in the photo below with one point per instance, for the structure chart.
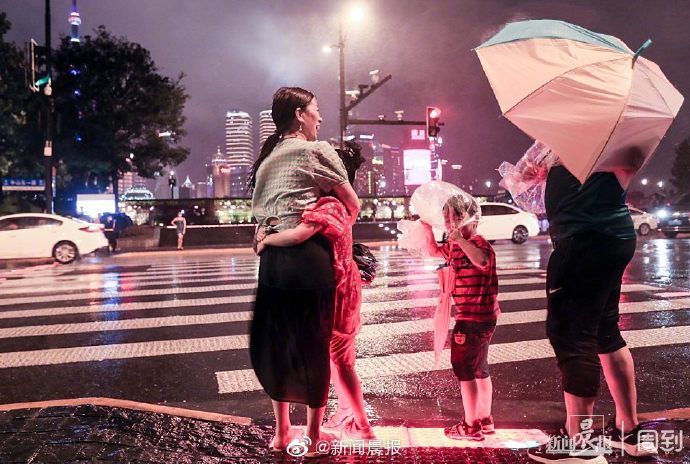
(501, 221)
(45, 235)
(644, 222)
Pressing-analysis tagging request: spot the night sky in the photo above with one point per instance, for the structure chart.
(235, 54)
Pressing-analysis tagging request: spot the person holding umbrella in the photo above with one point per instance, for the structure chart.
(603, 110)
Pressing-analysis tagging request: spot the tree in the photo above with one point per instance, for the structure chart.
(112, 102)
(680, 171)
(20, 151)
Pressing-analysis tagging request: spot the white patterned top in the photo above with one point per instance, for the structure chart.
(293, 177)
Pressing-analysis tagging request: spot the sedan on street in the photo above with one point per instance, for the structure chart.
(24, 236)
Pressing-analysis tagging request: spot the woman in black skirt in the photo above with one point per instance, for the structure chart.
(293, 312)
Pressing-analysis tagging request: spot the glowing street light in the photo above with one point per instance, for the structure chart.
(660, 184)
(488, 184)
(357, 13)
(644, 181)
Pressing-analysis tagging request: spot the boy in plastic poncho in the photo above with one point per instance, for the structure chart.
(475, 297)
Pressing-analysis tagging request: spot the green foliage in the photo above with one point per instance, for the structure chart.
(680, 171)
(112, 102)
(20, 152)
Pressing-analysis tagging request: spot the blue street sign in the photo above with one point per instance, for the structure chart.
(19, 184)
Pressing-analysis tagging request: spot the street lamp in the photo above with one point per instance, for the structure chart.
(356, 14)
(660, 184)
(488, 184)
(172, 182)
(644, 181)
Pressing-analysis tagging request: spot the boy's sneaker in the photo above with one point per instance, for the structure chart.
(487, 425)
(632, 442)
(560, 449)
(464, 431)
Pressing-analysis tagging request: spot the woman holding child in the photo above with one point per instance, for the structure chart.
(295, 300)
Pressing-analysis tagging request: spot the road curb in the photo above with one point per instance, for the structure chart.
(128, 404)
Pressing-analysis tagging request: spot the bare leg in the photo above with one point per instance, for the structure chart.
(619, 372)
(281, 410)
(484, 397)
(577, 406)
(344, 410)
(343, 400)
(314, 417)
(352, 393)
(469, 391)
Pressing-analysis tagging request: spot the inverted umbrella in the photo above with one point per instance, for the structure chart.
(587, 96)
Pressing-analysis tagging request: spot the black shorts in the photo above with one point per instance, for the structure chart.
(469, 349)
(583, 287)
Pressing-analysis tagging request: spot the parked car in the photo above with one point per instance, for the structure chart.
(44, 235)
(501, 221)
(674, 218)
(643, 221)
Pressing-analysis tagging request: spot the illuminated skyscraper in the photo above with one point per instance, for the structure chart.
(74, 20)
(239, 140)
(266, 126)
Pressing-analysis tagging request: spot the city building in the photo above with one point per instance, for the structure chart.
(239, 139)
(187, 189)
(204, 190)
(454, 176)
(393, 171)
(220, 175)
(266, 126)
(75, 21)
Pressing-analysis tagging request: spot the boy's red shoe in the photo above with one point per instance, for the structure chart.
(487, 425)
(464, 431)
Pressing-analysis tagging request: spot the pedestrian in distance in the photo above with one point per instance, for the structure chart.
(472, 261)
(329, 217)
(180, 224)
(294, 307)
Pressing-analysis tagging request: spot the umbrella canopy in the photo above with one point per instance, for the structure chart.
(587, 96)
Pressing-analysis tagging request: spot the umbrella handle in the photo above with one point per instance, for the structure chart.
(642, 48)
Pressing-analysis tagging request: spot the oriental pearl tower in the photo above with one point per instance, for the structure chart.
(74, 21)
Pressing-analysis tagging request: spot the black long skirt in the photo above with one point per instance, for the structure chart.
(293, 320)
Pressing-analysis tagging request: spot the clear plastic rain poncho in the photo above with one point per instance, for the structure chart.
(428, 201)
(526, 180)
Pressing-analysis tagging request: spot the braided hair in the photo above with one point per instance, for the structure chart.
(286, 100)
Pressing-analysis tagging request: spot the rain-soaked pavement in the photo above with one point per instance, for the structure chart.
(170, 329)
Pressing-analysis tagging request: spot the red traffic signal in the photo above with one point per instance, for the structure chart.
(433, 127)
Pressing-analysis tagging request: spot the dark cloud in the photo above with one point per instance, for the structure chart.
(235, 53)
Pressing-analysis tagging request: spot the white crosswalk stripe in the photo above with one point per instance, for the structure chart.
(74, 307)
(391, 300)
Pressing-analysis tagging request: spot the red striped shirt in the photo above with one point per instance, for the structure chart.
(476, 289)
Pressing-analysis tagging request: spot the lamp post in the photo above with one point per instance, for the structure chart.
(356, 14)
(172, 182)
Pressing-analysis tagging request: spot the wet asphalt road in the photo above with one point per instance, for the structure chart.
(170, 328)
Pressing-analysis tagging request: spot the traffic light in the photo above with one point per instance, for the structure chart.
(433, 115)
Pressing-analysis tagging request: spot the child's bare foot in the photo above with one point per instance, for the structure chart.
(353, 430)
(340, 417)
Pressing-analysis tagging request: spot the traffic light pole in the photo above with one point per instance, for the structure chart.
(48, 148)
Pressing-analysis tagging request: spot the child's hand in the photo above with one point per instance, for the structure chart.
(455, 235)
(260, 247)
(260, 234)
